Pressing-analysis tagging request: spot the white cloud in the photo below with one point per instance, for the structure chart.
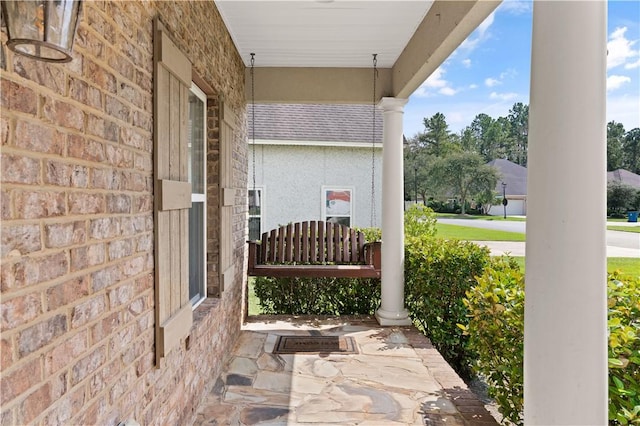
(625, 109)
(516, 7)
(632, 65)
(616, 81)
(473, 86)
(466, 63)
(490, 82)
(436, 83)
(620, 49)
(481, 34)
(503, 96)
(448, 91)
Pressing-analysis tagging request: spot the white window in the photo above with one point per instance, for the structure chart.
(197, 173)
(256, 208)
(337, 204)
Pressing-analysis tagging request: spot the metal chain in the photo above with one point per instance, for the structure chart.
(373, 143)
(253, 127)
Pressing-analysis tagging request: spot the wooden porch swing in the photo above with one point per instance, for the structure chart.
(316, 248)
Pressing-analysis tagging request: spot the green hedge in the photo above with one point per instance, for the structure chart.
(496, 334)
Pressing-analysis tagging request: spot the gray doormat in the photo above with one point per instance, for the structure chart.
(315, 345)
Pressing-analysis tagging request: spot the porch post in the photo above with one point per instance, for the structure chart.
(565, 327)
(392, 311)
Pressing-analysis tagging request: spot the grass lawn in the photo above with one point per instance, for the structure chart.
(626, 265)
(476, 234)
(635, 229)
(254, 305)
(483, 217)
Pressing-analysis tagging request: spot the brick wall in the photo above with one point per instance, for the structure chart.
(77, 274)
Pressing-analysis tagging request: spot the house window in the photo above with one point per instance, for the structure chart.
(337, 205)
(255, 213)
(197, 213)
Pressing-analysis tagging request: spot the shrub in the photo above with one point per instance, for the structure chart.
(318, 296)
(624, 349)
(437, 274)
(419, 222)
(495, 329)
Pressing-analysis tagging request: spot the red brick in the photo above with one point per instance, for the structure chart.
(19, 380)
(121, 295)
(88, 311)
(120, 63)
(131, 94)
(33, 270)
(85, 149)
(87, 365)
(6, 353)
(20, 239)
(5, 205)
(133, 266)
(103, 78)
(63, 174)
(20, 169)
(144, 243)
(37, 204)
(41, 334)
(67, 292)
(20, 310)
(105, 278)
(87, 256)
(16, 97)
(111, 131)
(101, 26)
(86, 203)
(119, 156)
(104, 228)
(63, 354)
(38, 401)
(88, 41)
(105, 179)
(65, 234)
(66, 407)
(95, 125)
(40, 138)
(117, 109)
(142, 162)
(118, 203)
(105, 327)
(133, 137)
(120, 248)
(83, 93)
(4, 130)
(63, 114)
(42, 73)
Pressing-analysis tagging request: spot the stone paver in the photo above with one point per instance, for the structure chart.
(397, 378)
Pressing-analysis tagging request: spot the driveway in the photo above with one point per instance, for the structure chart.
(619, 244)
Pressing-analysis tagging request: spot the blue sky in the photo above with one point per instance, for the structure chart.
(490, 70)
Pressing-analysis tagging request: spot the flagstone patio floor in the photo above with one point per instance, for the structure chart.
(397, 378)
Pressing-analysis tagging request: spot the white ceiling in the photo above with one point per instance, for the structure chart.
(322, 33)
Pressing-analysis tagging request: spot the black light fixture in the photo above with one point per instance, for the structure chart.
(42, 29)
(504, 198)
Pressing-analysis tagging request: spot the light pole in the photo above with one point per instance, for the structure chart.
(415, 182)
(504, 198)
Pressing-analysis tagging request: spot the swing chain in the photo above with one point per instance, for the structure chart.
(253, 131)
(373, 143)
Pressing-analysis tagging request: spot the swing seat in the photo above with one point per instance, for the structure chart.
(314, 249)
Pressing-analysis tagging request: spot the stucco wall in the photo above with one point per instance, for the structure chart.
(293, 177)
(77, 270)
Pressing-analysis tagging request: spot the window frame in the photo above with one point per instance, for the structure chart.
(350, 189)
(261, 191)
(200, 198)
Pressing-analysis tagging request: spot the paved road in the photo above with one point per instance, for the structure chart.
(619, 244)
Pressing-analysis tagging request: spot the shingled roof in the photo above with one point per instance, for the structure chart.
(624, 176)
(514, 175)
(315, 122)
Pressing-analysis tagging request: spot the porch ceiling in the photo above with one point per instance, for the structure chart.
(320, 50)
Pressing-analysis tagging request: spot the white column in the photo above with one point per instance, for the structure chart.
(392, 311)
(565, 343)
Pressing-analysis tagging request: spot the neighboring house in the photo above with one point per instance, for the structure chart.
(314, 162)
(515, 178)
(625, 177)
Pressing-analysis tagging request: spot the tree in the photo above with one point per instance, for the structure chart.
(620, 197)
(416, 169)
(631, 151)
(465, 175)
(519, 130)
(437, 138)
(615, 136)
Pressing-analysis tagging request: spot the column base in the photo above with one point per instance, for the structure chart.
(393, 318)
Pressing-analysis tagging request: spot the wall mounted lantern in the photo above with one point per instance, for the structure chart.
(42, 29)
